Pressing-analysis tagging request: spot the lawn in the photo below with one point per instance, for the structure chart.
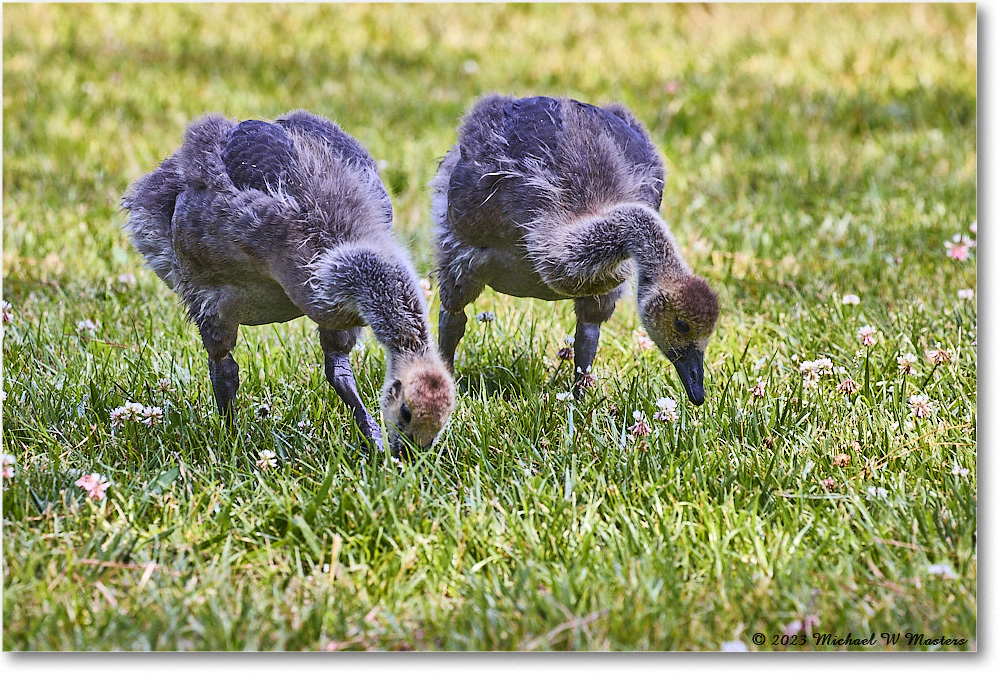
(813, 152)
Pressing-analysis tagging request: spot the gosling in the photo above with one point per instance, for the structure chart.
(257, 223)
(556, 199)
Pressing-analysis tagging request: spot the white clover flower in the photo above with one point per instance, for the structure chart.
(920, 406)
(94, 484)
(906, 362)
(641, 426)
(136, 412)
(267, 460)
(127, 278)
(958, 247)
(811, 371)
(878, 492)
(486, 317)
(942, 570)
(117, 417)
(86, 326)
(868, 335)
(667, 410)
(848, 387)
(151, 416)
(7, 466)
(666, 403)
(966, 294)
(564, 396)
(850, 299)
(938, 356)
(957, 470)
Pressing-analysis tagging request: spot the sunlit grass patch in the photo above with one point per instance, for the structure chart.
(821, 175)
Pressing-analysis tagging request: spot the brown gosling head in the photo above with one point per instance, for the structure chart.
(679, 314)
(417, 400)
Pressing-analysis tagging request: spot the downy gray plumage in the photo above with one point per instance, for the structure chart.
(557, 199)
(259, 222)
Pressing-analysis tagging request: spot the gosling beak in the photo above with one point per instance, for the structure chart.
(403, 449)
(690, 366)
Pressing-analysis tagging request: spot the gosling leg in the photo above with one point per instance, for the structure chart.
(219, 341)
(591, 312)
(451, 330)
(337, 345)
(459, 286)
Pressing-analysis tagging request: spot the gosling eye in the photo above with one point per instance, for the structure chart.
(681, 326)
(405, 416)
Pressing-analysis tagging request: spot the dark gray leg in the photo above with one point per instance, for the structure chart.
(337, 345)
(225, 377)
(222, 369)
(455, 295)
(590, 314)
(451, 329)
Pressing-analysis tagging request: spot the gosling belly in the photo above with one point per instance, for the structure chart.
(265, 302)
(509, 272)
(512, 273)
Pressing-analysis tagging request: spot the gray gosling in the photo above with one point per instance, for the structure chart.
(555, 199)
(256, 223)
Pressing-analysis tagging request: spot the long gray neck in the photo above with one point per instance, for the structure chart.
(645, 238)
(378, 283)
(595, 248)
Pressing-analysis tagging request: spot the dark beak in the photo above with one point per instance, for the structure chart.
(690, 367)
(396, 446)
(404, 449)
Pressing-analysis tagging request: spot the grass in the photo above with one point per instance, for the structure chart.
(813, 151)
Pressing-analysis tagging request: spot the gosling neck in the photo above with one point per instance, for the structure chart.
(646, 239)
(376, 282)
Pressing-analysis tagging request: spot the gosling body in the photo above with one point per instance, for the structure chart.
(557, 199)
(258, 222)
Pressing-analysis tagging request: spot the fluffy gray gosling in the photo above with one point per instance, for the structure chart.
(556, 199)
(256, 223)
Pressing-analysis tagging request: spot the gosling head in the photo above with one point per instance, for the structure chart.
(417, 400)
(680, 314)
